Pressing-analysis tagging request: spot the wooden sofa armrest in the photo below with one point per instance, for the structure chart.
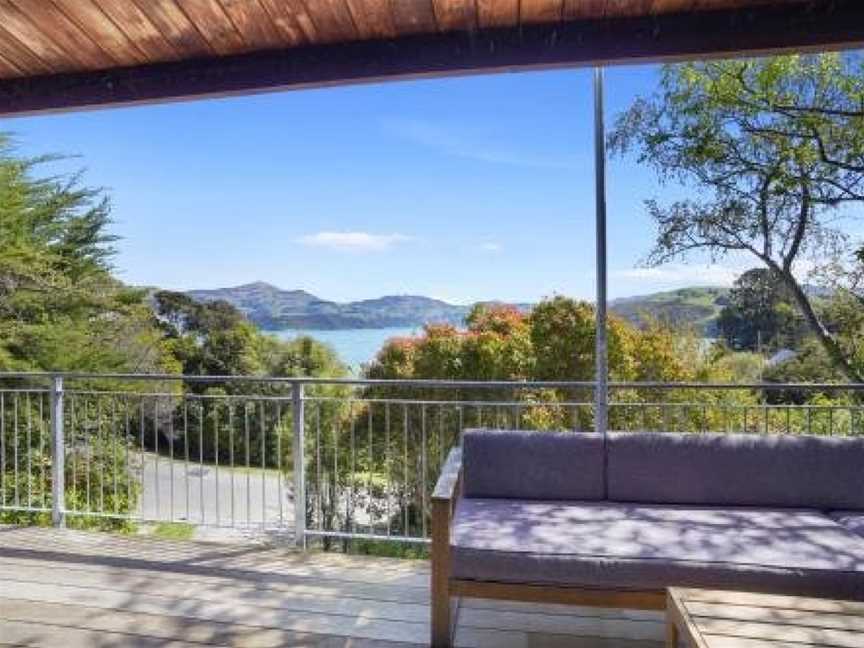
(444, 499)
(447, 487)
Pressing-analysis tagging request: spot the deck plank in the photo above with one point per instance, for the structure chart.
(60, 587)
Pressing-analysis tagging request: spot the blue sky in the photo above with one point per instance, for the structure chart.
(464, 189)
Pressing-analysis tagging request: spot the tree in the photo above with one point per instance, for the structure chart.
(760, 313)
(774, 147)
(60, 308)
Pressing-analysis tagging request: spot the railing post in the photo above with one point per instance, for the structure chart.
(58, 455)
(299, 445)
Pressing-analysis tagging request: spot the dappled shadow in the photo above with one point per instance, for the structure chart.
(650, 547)
(97, 590)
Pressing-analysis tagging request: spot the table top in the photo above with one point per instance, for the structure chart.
(724, 619)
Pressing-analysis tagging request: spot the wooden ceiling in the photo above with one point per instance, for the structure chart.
(57, 54)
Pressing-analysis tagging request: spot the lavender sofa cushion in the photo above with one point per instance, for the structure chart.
(533, 465)
(851, 520)
(650, 547)
(737, 470)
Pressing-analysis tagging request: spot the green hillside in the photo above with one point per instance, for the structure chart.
(695, 306)
(272, 308)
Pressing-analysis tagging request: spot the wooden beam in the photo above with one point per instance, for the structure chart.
(801, 27)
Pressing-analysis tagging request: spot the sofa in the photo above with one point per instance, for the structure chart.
(614, 520)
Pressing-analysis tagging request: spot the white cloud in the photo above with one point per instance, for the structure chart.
(440, 139)
(490, 247)
(353, 241)
(674, 273)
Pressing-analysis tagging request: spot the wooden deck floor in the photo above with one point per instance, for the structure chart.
(70, 589)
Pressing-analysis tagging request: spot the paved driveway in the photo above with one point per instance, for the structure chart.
(207, 495)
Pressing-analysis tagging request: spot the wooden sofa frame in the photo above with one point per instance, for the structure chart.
(446, 591)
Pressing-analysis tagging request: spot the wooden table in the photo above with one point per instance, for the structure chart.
(722, 619)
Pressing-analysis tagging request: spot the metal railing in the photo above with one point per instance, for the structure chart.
(325, 459)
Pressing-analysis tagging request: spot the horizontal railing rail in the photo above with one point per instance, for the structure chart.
(329, 460)
(424, 382)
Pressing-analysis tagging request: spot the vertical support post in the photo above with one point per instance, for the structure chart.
(58, 455)
(601, 388)
(299, 445)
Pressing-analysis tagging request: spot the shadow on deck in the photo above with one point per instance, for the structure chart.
(80, 590)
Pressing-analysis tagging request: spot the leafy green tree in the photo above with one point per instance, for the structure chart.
(773, 147)
(60, 309)
(562, 335)
(760, 313)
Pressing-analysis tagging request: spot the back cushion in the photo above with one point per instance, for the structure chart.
(533, 465)
(737, 469)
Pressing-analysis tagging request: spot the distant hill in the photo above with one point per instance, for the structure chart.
(697, 306)
(272, 308)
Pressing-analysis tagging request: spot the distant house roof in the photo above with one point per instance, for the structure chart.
(67, 54)
(781, 356)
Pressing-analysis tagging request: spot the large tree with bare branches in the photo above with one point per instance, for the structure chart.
(773, 150)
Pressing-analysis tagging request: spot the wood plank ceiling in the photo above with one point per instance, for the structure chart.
(71, 54)
(40, 37)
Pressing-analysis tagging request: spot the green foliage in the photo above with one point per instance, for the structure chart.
(60, 309)
(174, 531)
(760, 314)
(773, 148)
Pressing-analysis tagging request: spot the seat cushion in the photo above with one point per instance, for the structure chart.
(851, 520)
(533, 465)
(737, 470)
(645, 547)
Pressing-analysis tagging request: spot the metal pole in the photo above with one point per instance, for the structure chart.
(58, 455)
(601, 409)
(299, 444)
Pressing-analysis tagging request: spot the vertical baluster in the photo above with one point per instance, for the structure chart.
(334, 429)
(371, 461)
(115, 454)
(2, 449)
(186, 458)
(29, 460)
(41, 432)
(58, 455)
(441, 449)
(217, 491)
(388, 464)
(350, 500)
(88, 431)
(423, 468)
(318, 465)
(232, 462)
(248, 464)
(157, 485)
(171, 460)
(298, 413)
(143, 455)
(405, 465)
(201, 417)
(127, 443)
(15, 480)
(102, 433)
(279, 464)
(263, 429)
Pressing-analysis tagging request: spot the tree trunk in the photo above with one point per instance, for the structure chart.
(826, 338)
